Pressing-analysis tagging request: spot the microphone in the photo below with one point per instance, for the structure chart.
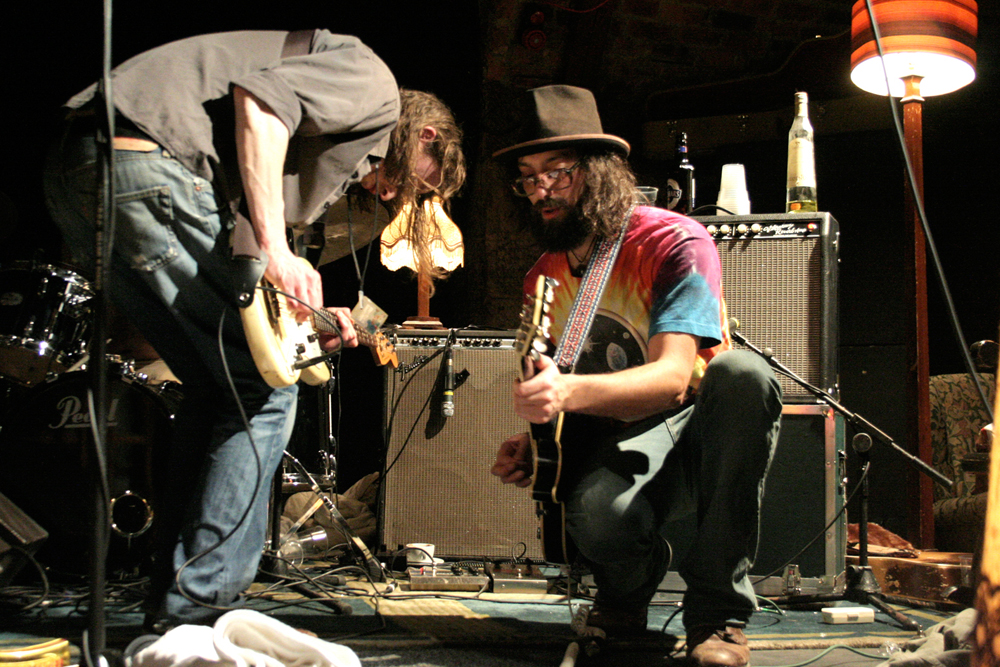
(734, 331)
(448, 400)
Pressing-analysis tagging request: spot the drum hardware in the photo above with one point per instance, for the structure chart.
(288, 479)
(44, 321)
(292, 482)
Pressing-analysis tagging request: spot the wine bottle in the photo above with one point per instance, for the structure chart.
(800, 193)
(680, 184)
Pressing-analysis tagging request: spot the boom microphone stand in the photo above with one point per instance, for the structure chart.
(862, 586)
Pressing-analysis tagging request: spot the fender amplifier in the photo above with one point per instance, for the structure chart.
(438, 488)
(779, 279)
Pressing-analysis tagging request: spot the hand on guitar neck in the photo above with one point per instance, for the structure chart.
(541, 394)
(335, 328)
(535, 459)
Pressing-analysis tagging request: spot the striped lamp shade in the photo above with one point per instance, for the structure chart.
(932, 39)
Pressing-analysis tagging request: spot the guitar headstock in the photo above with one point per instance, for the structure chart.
(383, 350)
(532, 336)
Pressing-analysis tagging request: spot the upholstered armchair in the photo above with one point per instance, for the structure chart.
(957, 416)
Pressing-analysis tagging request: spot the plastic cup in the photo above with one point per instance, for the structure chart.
(733, 190)
(419, 553)
(645, 195)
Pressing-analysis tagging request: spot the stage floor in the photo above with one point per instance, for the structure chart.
(401, 627)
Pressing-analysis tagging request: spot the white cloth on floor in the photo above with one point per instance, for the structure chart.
(946, 644)
(242, 638)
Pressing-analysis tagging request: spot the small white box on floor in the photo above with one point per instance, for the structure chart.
(837, 615)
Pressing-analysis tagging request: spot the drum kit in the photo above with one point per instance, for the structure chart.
(46, 322)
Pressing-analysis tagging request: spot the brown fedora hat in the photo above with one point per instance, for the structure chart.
(561, 117)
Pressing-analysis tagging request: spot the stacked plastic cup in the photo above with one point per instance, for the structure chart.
(733, 195)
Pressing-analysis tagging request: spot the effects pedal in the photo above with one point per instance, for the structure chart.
(448, 577)
(518, 578)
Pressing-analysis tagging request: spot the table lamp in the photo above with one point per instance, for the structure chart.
(447, 253)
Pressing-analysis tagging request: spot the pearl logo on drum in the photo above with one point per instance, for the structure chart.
(72, 414)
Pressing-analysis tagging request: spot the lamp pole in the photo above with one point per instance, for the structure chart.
(918, 376)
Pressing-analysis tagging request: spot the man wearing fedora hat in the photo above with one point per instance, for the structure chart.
(662, 419)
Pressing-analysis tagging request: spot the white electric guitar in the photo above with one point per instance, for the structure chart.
(281, 345)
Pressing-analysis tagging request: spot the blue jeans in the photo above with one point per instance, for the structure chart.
(169, 276)
(708, 459)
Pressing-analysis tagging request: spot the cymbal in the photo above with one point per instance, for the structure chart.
(342, 236)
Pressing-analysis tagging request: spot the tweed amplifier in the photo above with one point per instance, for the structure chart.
(438, 487)
(779, 278)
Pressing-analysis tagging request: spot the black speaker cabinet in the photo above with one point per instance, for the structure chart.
(779, 278)
(438, 488)
(802, 545)
(803, 495)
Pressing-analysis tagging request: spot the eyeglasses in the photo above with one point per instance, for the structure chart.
(557, 179)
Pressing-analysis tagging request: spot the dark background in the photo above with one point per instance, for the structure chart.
(647, 61)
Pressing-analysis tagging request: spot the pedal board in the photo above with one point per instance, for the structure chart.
(448, 577)
(518, 578)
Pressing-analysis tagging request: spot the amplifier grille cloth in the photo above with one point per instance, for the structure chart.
(440, 490)
(772, 286)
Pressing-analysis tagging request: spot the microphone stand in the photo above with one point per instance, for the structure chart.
(95, 635)
(862, 586)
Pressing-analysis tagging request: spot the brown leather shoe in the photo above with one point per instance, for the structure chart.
(617, 622)
(718, 646)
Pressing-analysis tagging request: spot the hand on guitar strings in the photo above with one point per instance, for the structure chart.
(298, 280)
(513, 464)
(541, 397)
(337, 320)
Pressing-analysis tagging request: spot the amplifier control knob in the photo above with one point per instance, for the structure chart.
(712, 229)
(725, 229)
(742, 228)
(755, 228)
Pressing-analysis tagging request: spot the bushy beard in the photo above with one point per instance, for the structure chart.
(560, 234)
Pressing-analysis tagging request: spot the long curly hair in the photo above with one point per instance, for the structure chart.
(610, 191)
(419, 110)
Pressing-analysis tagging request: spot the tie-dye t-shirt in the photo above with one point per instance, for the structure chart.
(667, 279)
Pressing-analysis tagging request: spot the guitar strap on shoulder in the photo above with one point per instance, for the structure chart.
(581, 316)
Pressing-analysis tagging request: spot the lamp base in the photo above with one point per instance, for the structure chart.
(422, 322)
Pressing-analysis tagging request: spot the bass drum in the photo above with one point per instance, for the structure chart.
(46, 449)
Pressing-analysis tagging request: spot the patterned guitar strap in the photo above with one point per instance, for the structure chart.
(581, 316)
